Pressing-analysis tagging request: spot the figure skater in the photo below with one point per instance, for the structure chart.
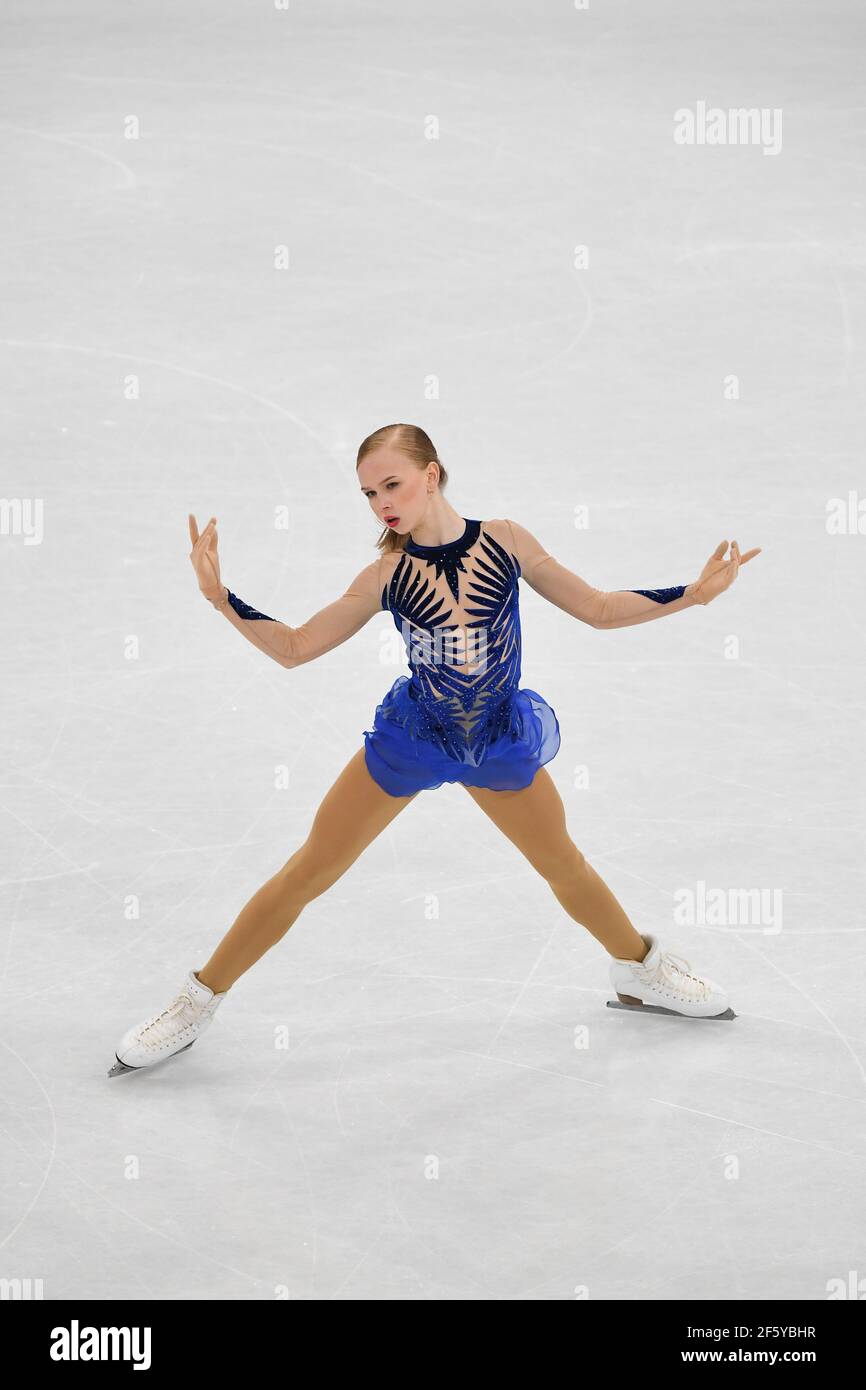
(451, 583)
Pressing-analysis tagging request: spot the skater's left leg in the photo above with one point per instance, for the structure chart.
(533, 818)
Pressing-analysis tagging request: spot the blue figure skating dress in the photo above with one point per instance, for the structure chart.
(461, 715)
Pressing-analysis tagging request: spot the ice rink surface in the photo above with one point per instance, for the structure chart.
(236, 240)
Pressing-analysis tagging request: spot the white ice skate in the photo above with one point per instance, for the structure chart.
(169, 1032)
(662, 983)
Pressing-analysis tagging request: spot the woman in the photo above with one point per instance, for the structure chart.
(451, 584)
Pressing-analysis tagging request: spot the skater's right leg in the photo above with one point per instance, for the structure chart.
(352, 814)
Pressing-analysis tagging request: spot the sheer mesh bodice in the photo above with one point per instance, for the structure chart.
(457, 609)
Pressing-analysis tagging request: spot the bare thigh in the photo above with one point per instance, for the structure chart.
(352, 813)
(533, 818)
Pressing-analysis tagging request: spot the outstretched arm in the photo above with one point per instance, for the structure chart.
(290, 646)
(620, 607)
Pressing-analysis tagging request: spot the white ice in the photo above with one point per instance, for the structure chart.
(457, 1114)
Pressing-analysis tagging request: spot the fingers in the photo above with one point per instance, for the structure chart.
(749, 555)
(716, 578)
(735, 556)
(208, 534)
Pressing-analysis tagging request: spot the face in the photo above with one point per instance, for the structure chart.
(395, 488)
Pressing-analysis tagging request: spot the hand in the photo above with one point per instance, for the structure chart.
(205, 560)
(719, 574)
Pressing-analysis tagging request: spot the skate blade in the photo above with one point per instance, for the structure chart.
(658, 1009)
(120, 1067)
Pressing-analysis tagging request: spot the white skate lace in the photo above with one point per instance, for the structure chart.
(165, 1025)
(676, 971)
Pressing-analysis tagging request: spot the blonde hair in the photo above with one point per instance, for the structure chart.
(418, 448)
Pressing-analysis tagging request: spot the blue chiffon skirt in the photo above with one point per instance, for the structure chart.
(403, 760)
